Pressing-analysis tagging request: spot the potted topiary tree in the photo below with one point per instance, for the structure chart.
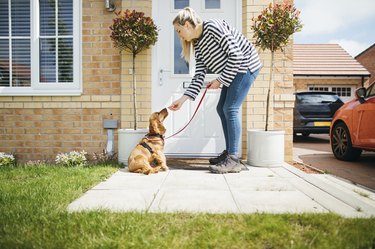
(272, 30)
(132, 32)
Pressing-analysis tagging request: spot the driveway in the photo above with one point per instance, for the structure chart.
(315, 151)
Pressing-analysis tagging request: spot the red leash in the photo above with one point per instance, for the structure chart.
(196, 110)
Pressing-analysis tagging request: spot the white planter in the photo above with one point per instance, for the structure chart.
(127, 140)
(265, 148)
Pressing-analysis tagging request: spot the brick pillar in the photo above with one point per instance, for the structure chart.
(282, 98)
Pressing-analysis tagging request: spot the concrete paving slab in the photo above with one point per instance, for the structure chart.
(276, 202)
(114, 200)
(334, 190)
(194, 180)
(272, 190)
(124, 180)
(327, 201)
(248, 182)
(194, 200)
(361, 194)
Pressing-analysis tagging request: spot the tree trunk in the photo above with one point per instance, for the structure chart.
(134, 94)
(269, 89)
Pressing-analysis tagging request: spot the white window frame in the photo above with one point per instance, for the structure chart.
(344, 98)
(51, 89)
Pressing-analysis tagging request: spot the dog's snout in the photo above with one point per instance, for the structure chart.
(164, 112)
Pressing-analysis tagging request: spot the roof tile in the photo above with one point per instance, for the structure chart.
(325, 60)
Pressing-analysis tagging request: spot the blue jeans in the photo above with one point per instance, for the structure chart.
(230, 101)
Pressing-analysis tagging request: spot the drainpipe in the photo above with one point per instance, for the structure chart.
(110, 124)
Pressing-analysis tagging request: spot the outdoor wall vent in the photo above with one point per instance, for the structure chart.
(109, 5)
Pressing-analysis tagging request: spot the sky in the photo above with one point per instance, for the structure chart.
(351, 24)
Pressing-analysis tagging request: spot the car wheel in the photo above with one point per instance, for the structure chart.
(341, 144)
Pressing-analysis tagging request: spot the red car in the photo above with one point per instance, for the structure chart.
(353, 126)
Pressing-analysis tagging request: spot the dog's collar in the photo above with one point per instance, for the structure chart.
(155, 135)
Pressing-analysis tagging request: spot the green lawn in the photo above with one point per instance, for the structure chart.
(33, 203)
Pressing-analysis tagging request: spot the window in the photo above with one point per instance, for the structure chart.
(180, 65)
(371, 91)
(180, 4)
(212, 4)
(342, 91)
(318, 89)
(40, 47)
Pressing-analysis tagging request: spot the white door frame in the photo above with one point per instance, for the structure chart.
(154, 65)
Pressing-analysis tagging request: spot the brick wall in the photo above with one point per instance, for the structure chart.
(367, 59)
(38, 128)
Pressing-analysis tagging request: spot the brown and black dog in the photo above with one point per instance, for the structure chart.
(148, 155)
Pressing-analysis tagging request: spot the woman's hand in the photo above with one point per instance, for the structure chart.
(215, 84)
(176, 105)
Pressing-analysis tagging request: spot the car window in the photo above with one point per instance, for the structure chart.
(316, 98)
(371, 91)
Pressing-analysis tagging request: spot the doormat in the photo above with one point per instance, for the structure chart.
(188, 163)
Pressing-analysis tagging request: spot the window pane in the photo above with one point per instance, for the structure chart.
(180, 65)
(65, 17)
(47, 17)
(4, 18)
(21, 73)
(20, 17)
(66, 60)
(180, 4)
(47, 62)
(212, 4)
(4, 63)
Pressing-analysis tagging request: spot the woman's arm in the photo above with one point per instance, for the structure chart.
(177, 104)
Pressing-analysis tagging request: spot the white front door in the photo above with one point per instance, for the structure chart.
(171, 75)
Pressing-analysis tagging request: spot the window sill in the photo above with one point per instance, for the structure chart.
(31, 92)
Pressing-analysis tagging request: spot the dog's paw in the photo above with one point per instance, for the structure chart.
(165, 167)
(157, 160)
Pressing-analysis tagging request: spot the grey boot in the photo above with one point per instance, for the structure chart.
(218, 159)
(228, 165)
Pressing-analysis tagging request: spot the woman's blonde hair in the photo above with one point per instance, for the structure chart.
(187, 15)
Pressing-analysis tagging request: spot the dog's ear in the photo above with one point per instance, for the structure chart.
(154, 126)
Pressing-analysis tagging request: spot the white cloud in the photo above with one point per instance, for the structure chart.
(323, 17)
(351, 46)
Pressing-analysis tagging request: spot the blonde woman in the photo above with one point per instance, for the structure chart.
(225, 51)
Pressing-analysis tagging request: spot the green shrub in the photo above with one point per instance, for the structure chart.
(72, 159)
(7, 160)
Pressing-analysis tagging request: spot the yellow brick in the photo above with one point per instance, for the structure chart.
(13, 105)
(5, 98)
(100, 98)
(61, 99)
(34, 105)
(72, 105)
(90, 105)
(110, 105)
(41, 98)
(52, 105)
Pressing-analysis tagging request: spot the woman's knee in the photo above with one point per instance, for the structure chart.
(230, 111)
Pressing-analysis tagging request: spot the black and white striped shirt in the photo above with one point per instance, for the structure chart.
(223, 50)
